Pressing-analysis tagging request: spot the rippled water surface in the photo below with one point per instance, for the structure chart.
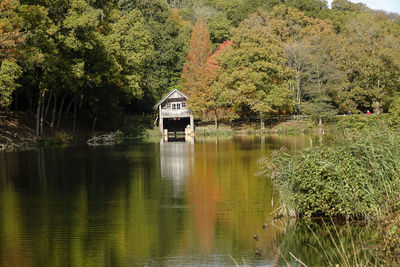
(196, 203)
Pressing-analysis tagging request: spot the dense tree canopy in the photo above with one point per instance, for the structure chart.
(63, 58)
(10, 40)
(253, 69)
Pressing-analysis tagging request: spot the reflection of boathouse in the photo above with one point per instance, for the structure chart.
(175, 163)
(174, 115)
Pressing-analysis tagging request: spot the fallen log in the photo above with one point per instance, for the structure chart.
(106, 139)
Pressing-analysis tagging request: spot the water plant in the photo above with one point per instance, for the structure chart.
(329, 242)
(355, 175)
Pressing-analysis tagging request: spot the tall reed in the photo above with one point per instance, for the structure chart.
(356, 174)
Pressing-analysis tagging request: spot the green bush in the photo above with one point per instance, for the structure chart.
(61, 138)
(359, 122)
(355, 175)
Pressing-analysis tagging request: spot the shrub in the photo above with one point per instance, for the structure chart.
(359, 122)
(354, 175)
(394, 112)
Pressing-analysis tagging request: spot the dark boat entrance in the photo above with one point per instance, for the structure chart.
(176, 125)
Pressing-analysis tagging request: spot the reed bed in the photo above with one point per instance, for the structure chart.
(354, 175)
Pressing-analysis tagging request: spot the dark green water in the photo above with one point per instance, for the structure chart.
(153, 204)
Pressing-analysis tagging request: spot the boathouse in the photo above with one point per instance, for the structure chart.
(174, 115)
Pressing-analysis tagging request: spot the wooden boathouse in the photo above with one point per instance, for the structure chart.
(174, 115)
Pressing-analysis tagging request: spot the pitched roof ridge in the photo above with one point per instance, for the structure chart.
(168, 95)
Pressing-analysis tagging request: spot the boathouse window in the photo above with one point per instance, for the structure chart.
(168, 106)
(183, 105)
(176, 105)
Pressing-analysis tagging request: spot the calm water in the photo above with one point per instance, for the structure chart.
(153, 204)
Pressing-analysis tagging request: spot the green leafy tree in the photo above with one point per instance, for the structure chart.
(10, 40)
(169, 35)
(38, 55)
(325, 79)
(312, 8)
(312, 63)
(343, 11)
(369, 57)
(130, 44)
(254, 70)
(289, 25)
(220, 28)
(9, 73)
(109, 58)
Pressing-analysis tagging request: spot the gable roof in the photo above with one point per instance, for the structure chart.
(169, 94)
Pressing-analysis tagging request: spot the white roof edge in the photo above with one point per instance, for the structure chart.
(168, 95)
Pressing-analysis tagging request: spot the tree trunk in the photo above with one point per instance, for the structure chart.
(61, 108)
(319, 79)
(54, 112)
(16, 102)
(38, 106)
(94, 123)
(319, 121)
(70, 104)
(42, 112)
(73, 129)
(216, 119)
(48, 104)
(298, 93)
(262, 122)
(377, 106)
(32, 97)
(28, 103)
(35, 102)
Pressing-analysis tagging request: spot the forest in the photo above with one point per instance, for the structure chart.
(101, 60)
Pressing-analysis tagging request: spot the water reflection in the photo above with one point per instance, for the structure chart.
(202, 196)
(14, 250)
(175, 161)
(328, 243)
(161, 204)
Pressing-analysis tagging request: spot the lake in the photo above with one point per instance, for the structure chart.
(195, 203)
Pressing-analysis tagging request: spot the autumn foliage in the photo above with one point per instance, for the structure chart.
(200, 50)
(201, 70)
(10, 33)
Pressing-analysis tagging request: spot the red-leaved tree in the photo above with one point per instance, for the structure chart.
(213, 96)
(10, 32)
(201, 71)
(196, 59)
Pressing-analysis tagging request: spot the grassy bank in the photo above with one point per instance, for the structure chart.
(17, 129)
(290, 127)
